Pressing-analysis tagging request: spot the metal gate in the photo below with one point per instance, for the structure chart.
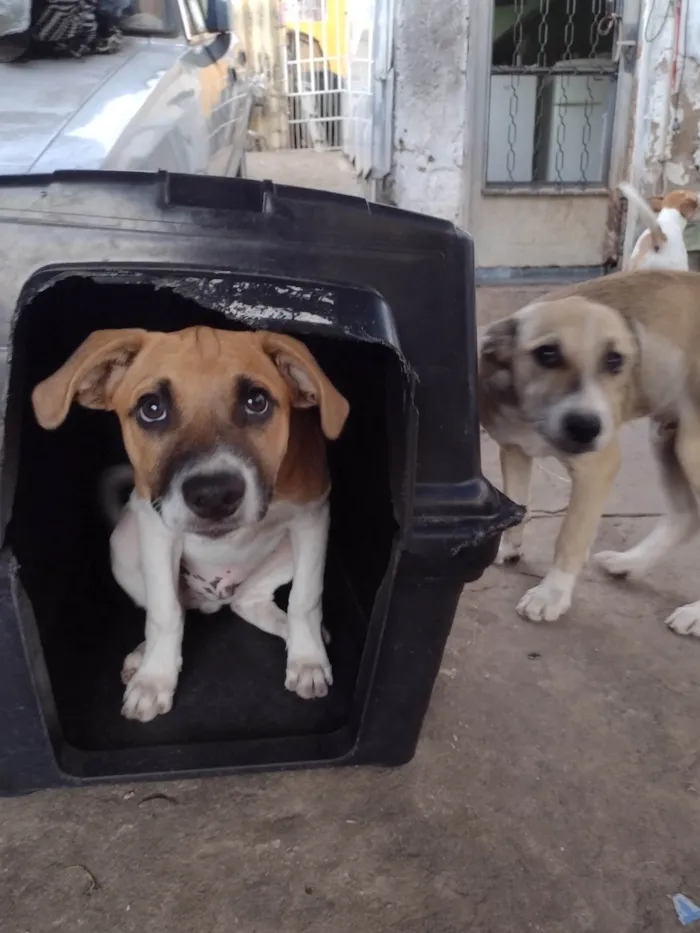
(315, 72)
(338, 79)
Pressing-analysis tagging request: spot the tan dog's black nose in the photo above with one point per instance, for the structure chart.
(582, 427)
(213, 496)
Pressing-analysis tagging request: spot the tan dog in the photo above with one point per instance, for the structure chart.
(662, 246)
(560, 376)
(231, 487)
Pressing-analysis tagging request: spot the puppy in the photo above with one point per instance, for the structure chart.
(558, 379)
(230, 498)
(661, 246)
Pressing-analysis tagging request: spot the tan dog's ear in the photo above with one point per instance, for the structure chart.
(656, 203)
(498, 344)
(90, 375)
(309, 384)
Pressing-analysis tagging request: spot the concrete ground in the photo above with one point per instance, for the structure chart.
(555, 789)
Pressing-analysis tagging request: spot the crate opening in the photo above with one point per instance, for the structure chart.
(231, 707)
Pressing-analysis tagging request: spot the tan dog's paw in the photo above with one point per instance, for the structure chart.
(550, 599)
(616, 563)
(309, 678)
(685, 620)
(148, 695)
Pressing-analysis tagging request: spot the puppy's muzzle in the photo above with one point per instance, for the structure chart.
(214, 497)
(581, 429)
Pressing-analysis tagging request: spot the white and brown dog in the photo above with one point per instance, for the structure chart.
(661, 245)
(560, 377)
(230, 498)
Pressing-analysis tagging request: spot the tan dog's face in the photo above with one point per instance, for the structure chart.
(204, 414)
(564, 364)
(683, 200)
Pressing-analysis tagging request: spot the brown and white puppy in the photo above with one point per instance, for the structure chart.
(662, 246)
(560, 376)
(231, 485)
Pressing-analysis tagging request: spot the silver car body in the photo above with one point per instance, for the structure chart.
(179, 102)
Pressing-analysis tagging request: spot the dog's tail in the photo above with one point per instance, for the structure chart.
(658, 237)
(115, 485)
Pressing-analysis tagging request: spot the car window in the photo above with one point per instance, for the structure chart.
(144, 17)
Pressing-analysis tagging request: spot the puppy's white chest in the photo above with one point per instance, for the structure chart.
(212, 568)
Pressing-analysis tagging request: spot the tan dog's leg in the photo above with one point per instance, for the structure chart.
(680, 524)
(516, 469)
(686, 619)
(592, 476)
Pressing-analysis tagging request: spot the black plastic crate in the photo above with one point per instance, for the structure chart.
(385, 300)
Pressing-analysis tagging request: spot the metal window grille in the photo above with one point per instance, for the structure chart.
(552, 94)
(359, 94)
(314, 83)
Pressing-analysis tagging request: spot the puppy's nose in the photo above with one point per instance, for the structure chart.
(582, 426)
(214, 496)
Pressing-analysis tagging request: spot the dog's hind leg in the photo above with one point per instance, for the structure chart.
(592, 476)
(516, 469)
(680, 523)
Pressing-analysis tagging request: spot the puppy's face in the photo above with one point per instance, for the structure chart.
(205, 414)
(567, 364)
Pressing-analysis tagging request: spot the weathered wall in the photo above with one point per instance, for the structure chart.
(430, 106)
(667, 145)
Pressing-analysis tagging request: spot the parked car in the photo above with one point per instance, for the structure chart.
(176, 95)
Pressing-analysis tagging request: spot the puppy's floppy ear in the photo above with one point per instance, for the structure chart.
(656, 203)
(498, 344)
(308, 383)
(90, 375)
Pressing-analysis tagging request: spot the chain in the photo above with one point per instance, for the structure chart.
(597, 26)
(514, 102)
(587, 130)
(563, 106)
(542, 37)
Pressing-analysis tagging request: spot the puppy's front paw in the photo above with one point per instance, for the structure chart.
(309, 677)
(132, 662)
(550, 599)
(685, 620)
(148, 695)
(508, 553)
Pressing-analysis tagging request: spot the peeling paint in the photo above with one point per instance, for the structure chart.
(670, 155)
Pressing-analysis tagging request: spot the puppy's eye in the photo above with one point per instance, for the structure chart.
(613, 361)
(548, 356)
(257, 402)
(152, 409)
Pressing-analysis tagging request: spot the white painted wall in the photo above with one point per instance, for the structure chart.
(430, 106)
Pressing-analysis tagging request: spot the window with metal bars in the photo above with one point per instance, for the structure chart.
(551, 95)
